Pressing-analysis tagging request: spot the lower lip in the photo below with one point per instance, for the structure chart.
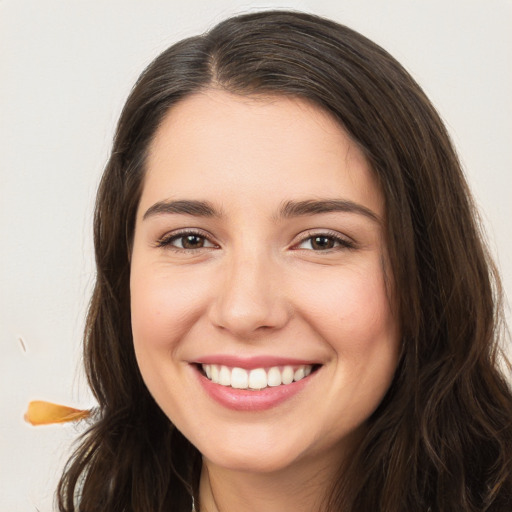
(249, 400)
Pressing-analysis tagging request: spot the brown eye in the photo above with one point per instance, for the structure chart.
(324, 242)
(186, 241)
(321, 243)
(192, 241)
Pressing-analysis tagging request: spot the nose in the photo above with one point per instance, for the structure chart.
(250, 299)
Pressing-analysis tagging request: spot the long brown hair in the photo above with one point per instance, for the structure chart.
(441, 440)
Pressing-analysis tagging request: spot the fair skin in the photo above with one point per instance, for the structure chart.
(233, 267)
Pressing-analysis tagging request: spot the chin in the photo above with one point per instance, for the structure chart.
(264, 452)
(251, 461)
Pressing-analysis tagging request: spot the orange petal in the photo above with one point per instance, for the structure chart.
(45, 413)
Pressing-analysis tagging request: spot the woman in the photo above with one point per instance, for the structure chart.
(294, 309)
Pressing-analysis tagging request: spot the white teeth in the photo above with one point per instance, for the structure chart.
(239, 378)
(287, 375)
(274, 377)
(257, 378)
(215, 373)
(299, 374)
(224, 376)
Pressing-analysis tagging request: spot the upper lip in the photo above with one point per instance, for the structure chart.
(249, 363)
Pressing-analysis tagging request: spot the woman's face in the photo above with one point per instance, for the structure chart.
(262, 322)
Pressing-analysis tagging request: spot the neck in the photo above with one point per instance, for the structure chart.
(300, 490)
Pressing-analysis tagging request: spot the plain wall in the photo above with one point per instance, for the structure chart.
(66, 68)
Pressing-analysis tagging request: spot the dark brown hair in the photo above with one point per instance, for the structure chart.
(441, 440)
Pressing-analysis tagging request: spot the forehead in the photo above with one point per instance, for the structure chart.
(218, 143)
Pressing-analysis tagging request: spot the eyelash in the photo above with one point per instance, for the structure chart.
(167, 241)
(343, 243)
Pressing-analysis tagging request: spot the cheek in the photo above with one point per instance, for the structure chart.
(164, 307)
(354, 316)
(352, 307)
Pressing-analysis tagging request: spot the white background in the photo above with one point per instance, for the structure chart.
(66, 68)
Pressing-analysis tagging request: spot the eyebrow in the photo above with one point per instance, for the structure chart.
(184, 207)
(289, 209)
(315, 207)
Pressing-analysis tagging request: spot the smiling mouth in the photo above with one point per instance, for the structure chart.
(257, 378)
